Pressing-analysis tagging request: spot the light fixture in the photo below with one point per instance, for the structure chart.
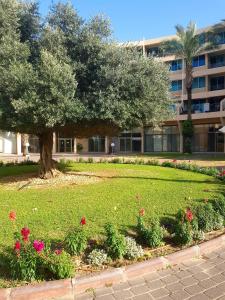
(222, 129)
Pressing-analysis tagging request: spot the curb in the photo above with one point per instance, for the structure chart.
(70, 287)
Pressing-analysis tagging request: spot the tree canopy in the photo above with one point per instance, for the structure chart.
(68, 74)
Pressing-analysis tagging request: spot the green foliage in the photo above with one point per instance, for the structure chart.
(97, 257)
(59, 266)
(24, 266)
(115, 242)
(79, 147)
(151, 236)
(183, 233)
(133, 251)
(76, 241)
(219, 205)
(208, 218)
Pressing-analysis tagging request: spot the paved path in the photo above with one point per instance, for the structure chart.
(196, 279)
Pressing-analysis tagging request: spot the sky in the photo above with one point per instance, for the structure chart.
(145, 19)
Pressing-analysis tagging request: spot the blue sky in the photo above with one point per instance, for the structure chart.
(138, 19)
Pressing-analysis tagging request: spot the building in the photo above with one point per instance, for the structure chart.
(208, 110)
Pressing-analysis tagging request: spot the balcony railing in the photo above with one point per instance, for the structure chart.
(201, 108)
(217, 65)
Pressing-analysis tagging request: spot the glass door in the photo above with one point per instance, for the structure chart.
(65, 145)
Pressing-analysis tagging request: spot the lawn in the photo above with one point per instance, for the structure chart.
(49, 212)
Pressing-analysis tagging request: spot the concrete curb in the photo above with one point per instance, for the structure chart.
(70, 287)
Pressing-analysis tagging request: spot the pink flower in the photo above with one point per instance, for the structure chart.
(25, 234)
(189, 215)
(58, 251)
(83, 221)
(141, 212)
(12, 215)
(38, 245)
(17, 246)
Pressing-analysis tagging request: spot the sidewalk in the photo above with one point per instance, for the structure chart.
(197, 279)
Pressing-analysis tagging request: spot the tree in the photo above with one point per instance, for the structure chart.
(78, 82)
(186, 46)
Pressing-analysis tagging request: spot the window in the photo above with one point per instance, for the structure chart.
(217, 61)
(96, 144)
(217, 83)
(198, 83)
(220, 38)
(176, 65)
(176, 85)
(202, 38)
(154, 51)
(198, 61)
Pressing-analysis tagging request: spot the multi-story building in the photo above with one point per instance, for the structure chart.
(208, 109)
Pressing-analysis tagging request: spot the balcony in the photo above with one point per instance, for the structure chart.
(203, 110)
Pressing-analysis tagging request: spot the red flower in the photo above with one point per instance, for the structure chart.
(141, 212)
(38, 245)
(174, 161)
(189, 215)
(17, 246)
(25, 233)
(12, 215)
(58, 251)
(83, 221)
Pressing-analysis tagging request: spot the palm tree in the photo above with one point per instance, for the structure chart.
(186, 46)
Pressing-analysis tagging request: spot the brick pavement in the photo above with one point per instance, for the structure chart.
(196, 279)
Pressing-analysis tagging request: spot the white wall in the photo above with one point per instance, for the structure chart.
(8, 142)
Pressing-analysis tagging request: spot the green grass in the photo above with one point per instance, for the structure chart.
(50, 212)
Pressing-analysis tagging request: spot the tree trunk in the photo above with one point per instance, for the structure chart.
(189, 102)
(47, 164)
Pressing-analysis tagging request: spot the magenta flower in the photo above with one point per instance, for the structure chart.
(38, 245)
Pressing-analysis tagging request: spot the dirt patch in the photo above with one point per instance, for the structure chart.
(31, 181)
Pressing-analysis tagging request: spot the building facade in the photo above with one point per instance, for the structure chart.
(208, 110)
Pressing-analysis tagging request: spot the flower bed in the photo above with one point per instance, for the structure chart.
(33, 260)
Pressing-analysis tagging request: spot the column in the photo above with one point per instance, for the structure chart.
(106, 145)
(75, 146)
(181, 136)
(54, 148)
(142, 140)
(18, 144)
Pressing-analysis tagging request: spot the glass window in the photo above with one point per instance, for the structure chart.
(176, 65)
(217, 61)
(220, 38)
(96, 144)
(198, 83)
(198, 61)
(217, 83)
(176, 85)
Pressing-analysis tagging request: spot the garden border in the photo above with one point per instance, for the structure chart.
(75, 286)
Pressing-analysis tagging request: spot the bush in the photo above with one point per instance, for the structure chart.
(76, 241)
(208, 218)
(133, 251)
(23, 264)
(219, 205)
(97, 257)
(90, 160)
(80, 147)
(115, 242)
(183, 233)
(151, 236)
(59, 265)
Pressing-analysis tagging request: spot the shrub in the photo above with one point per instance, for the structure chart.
(151, 236)
(208, 218)
(76, 241)
(133, 251)
(97, 257)
(79, 147)
(90, 160)
(219, 205)
(183, 233)
(23, 263)
(115, 242)
(59, 264)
